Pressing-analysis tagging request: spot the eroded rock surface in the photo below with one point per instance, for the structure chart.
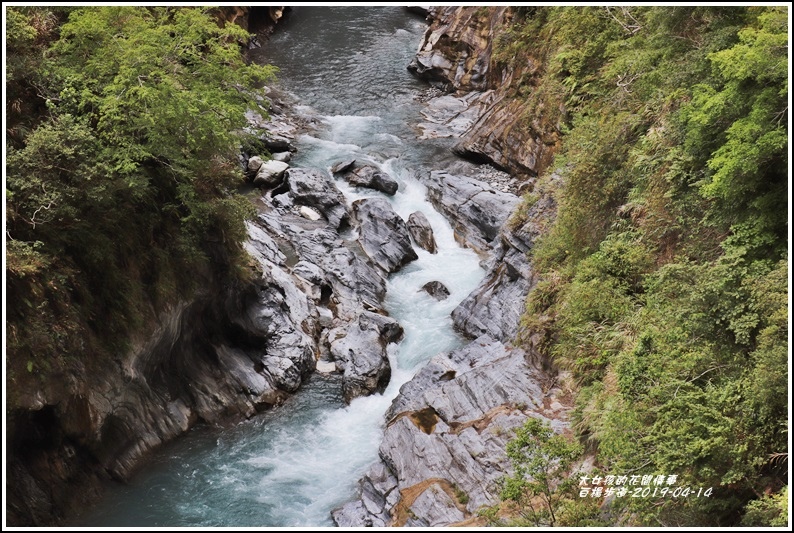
(383, 234)
(496, 305)
(359, 350)
(421, 231)
(315, 188)
(474, 208)
(436, 289)
(367, 176)
(443, 448)
(456, 55)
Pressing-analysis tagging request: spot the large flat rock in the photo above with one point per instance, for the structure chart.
(443, 448)
(474, 208)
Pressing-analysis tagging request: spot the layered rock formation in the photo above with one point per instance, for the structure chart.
(443, 448)
(456, 54)
(474, 208)
(317, 298)
(496, 305)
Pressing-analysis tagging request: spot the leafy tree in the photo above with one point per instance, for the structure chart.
(541, 461)
(125, 179)
(768, 511)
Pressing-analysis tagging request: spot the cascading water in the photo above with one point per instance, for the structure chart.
(292, 465)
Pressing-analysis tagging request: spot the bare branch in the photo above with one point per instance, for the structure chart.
(632, 26)
(32, 220)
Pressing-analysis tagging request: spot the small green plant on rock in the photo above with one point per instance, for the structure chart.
(460, 494)
(541, 460)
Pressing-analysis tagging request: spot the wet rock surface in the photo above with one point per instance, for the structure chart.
(366, 176)
(421, 231)
(496, 305)
(436, 289)
(455, 56)
(359, 350)
(314, 188)
(474, 208)
(443, 448)
(383, 234)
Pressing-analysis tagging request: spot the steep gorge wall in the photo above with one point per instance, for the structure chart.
(457, 55)
(225, 353)
(197, 364)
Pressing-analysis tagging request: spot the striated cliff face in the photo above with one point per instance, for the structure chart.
(198, 364)
(456, 55)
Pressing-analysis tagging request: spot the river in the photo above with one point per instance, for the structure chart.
(295, 463)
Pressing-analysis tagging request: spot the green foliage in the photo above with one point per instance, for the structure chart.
(123, 178)
(541, 461)
(460, 495)
(769, 511)
(746, 167)
(663, 279)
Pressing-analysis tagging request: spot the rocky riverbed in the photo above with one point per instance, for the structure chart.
(315, 302)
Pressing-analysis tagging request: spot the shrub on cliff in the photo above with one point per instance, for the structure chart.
(120, 175)
(664, 276)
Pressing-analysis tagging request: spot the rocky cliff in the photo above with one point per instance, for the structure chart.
(457, 55)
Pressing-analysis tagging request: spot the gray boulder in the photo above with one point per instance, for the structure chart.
(436, 289)
(277, 143)
(254, 163)
(270, 174)
(314, 188)
(343, 166)
(359, 351)
(372, 178)
(420, 229)
(383, 234)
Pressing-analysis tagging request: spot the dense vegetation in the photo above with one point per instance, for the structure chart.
(123, 128)
(664, 278)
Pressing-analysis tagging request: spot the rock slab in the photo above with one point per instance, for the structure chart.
(422, 232)
(443, 448)
(383, 234)
(372, 178)
(315, 188)
(475, 209)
